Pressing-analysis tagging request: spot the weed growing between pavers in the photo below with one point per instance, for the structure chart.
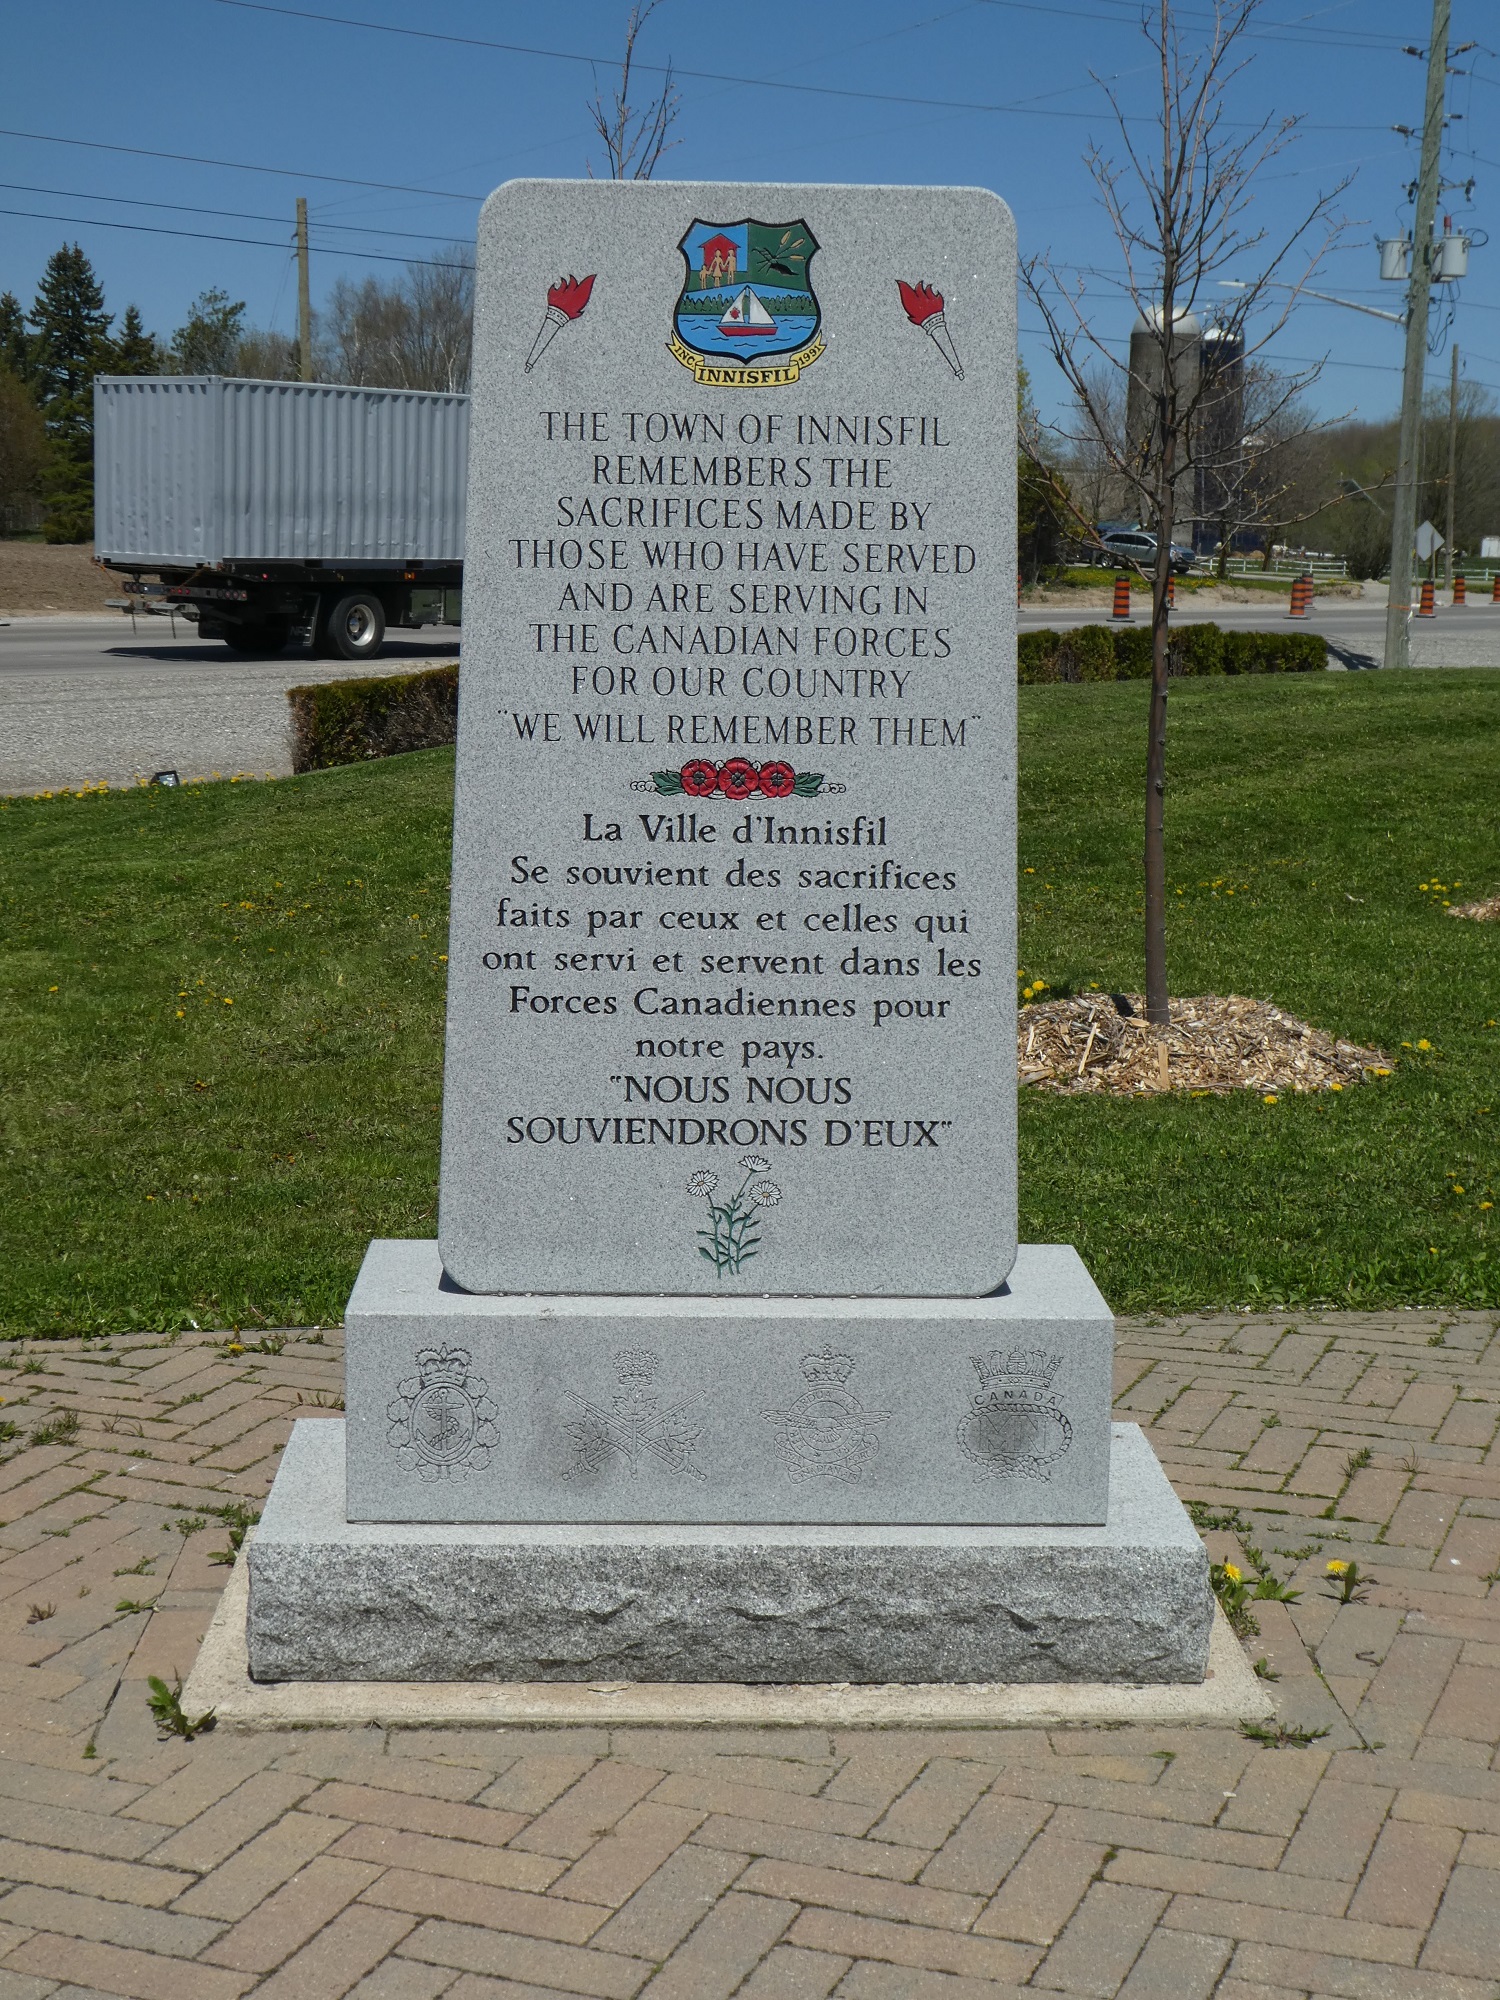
(223, 1069)
(165, 1704)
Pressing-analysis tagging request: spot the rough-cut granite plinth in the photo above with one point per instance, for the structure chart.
(332, 1600)
(484, 1407)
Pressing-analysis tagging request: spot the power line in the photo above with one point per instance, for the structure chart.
(1273, 31)
(1022, 108)
(211, 236)
(239, 166)
(234, 214)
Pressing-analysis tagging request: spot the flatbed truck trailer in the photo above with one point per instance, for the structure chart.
(269, 511)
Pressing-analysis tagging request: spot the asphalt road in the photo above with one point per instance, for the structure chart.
(85, 699)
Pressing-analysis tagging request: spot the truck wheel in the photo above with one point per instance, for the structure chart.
(258, 635)
(355, 627)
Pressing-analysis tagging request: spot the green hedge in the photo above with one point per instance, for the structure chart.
(344, 722)
(1105, 653)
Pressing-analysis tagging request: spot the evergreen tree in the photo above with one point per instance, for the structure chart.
(71, 344)
(15, 341)
(71, 327)
(133, 351)
(209, 343)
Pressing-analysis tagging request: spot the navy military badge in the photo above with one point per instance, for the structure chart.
(747, 316)
(1013, 1427)
(441, 1419)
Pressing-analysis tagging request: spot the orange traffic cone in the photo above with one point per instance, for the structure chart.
(1460, 590)
(1427, 608)
(1122, 597)
(1495, 589)
(1302, 590)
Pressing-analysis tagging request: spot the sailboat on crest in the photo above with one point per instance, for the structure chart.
(747, 315)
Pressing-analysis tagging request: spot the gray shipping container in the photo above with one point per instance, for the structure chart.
(203, 469)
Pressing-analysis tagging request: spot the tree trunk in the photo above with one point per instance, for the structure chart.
(1156, 739)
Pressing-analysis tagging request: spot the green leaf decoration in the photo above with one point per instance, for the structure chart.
(667, 782)
(808, 785)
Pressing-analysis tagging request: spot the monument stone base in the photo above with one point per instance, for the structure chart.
(333, 1600)
(474, 1407)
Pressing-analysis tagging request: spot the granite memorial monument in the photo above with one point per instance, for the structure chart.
(726, 1364)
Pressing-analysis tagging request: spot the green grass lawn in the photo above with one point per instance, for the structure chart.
(224, 1013)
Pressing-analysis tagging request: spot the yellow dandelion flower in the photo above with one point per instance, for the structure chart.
(1456, 1188)
(1268, 1099)
(1232, 1572)
(1486, 1204)
(1337, 1568)
(1424, 1045)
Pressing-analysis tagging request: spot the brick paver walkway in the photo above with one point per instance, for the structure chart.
(1159, 1864)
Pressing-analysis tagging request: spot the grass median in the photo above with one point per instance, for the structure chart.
(222, 1071)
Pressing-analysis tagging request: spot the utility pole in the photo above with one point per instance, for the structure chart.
(1452, 458)
(1404, 512)
(304, 289)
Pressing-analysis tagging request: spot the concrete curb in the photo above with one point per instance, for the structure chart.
(220, 1680)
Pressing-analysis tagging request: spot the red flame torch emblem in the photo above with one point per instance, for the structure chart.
(565, 301)
(924, 308)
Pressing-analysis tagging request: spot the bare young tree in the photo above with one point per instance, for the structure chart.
(634, 138)
(1179, 210)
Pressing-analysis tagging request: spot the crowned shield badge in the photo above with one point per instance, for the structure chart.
(442, 1419)
(1013, 1427)
(828, 1433)
(747, 315)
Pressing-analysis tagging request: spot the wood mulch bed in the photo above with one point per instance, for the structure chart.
(1214, 1044)
(1486, 911)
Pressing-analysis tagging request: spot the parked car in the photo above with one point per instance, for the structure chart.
(1127, 548)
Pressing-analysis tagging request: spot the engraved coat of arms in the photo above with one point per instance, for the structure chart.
(635, 1428)
(441, 1419)
(1013, 1427)
(827, 1433)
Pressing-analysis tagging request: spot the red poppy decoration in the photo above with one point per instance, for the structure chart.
(698, 778)
(738, 779)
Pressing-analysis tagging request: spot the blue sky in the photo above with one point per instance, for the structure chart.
(994, 92)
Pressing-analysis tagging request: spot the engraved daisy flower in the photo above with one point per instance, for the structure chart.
(755, 1164)
(767, 1194)
(702, 1182)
